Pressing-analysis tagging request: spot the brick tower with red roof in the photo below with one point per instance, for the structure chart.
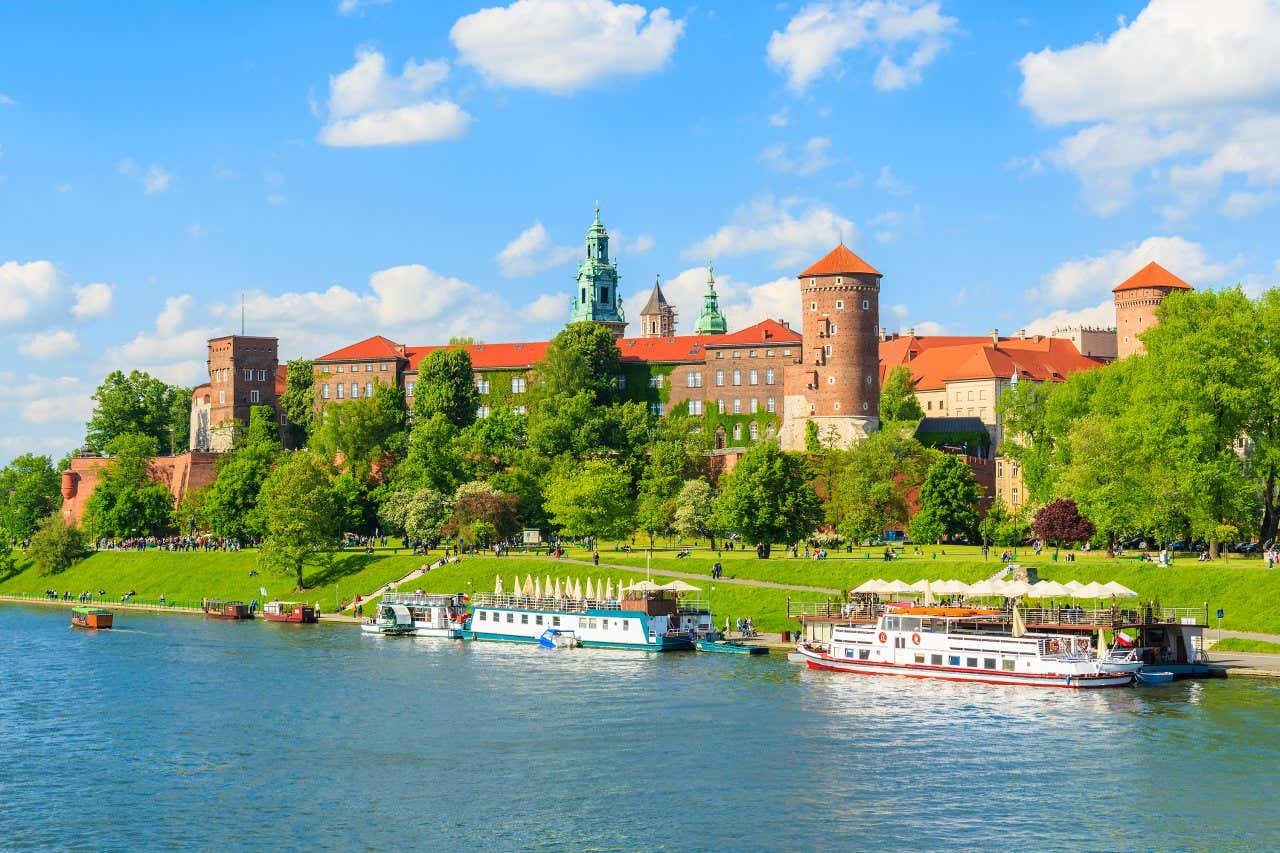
(836, 385)
(1137, 298)
(243, 373)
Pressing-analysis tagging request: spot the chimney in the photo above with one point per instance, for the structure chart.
(1022, 333)
(995, 337)
(911, 333)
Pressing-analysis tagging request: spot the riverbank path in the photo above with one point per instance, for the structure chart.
(395, 584)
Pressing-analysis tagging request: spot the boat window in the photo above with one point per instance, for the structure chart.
(524, 618)
(954, 660)
(848, 653)
(910, 623)
(989, 663)
(1007, 665)
(919, 658)
(604, 623)
(480, 616)
(936, 660)
(891, 622)
(555, 621)
(538, 619)
(863, 654)
(511, 617)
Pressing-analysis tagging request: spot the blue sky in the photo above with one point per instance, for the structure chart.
(424, 169)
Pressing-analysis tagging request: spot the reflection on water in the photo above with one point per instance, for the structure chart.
(179, 732)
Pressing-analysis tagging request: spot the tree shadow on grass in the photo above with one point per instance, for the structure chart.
(341, 566)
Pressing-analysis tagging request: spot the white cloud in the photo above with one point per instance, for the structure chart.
(369, 107)
(1255, 284)
(26, 289)
(906, 35)
(924, 328)
(49, 344)
(891, 183)
(1094, 277)
(173, 352)
(1241, 204)
(92, 300)
(1185, 93)
(810, 158)
(900, 311)
(563, 46)
(1100, 316)
(548, 308)
(154, 178)
(6, 101)
(351, 7)
(532, 251)
(623, 244)
(781, 118)
(195, 230)
(771, 226)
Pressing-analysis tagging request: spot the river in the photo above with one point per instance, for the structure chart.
(176, 732)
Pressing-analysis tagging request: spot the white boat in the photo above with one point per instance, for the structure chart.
(645, 618)
(1120, 659)
(426, 615)
(955, 646)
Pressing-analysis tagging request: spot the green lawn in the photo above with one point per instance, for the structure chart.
(190, 576)
(1239, 644)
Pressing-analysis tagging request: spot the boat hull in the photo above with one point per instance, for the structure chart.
(91, 620)
(728, 648)
(306, 617)
(663, 644)
(816, 660)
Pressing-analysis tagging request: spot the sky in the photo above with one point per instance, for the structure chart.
(428, 169)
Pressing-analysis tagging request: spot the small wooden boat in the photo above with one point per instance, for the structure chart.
(216, 609)
(289, 611)
(731, 647)
(1148, 678)
(90, 617)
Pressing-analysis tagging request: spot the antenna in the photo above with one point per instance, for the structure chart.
(242, 313)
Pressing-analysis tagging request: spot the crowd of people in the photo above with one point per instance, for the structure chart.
(167, 543)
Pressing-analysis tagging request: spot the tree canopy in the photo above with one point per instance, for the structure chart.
(298, 401)
(127, 501)
(592, 499)
(949, 499)
(898, 396)
(56, 545)
(870, 485)
(300, 515)
(769, 498)
(139, 404)
(446, 386)
(30, 489)
(582, 357)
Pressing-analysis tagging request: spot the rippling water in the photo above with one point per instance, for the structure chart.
(174, 732)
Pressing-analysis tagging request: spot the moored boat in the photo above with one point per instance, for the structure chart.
(290, 611)
(391, 620)
(91, 617)
(971, 648)
(217, 609)
(440, 616)
(644, 617)
(732, 647)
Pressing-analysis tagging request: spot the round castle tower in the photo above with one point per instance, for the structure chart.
(1137, 299)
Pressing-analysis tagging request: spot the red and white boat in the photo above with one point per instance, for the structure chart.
(957, 645)
(289, 611)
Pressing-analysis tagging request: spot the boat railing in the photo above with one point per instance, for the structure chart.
(833, 608)
(418, 599)
(531, 602)
(1114, 616)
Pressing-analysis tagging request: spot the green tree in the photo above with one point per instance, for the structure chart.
(139, 403)
(353, 508)
(583, 357)
(478, 503)
(8, 563)
(870, 484)
(300, 515)
(591, 499)
(263, 429)
(433, 459)
(362, 433)
(231, 504)
(695, 511)
(665, 473)
(948, 502)
(127, 501)
(446, 385)
(298, 400)
(419, 513)
(1003, 526)
(30, 489)
(898, 396)
(768, 498)
(493, 444)
(56, 545)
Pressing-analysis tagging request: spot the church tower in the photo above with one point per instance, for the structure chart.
(710, 321)
(658, 317)
(597, 299)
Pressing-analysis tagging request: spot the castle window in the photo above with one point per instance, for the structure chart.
(832, 329)
(720, 377)
(655, 381)
(865, 407)
(253, 396)
(482, 386)
(754, 377)
(222, 397)
(368, 368)
(868, 378)
(866, 304)
(248, 375)
(999, 469)
(720, 406)
(482, 411)
(355, 390)
(839, 281)
(283, 419)
(324, 392)
(694, 379)
(751, 354)
(929, 405)
(324, 368)
(971, 395)
(836, 405)
(753, 430)
(517, 384)
(737, 377)
(768, 353)
(813, 306)
(737, 353)
(355, 368)
(408, 388)
(620, 382)
(341, 391)
(584, 295)
(1015, 497)
(839, 304)
(813, 282)
(519, 410)
(786, 352)
(604, 294)
(768, 376)
(655, 409)
(755, 405)
(769, 430)
(737, 405)
(340, 367)
(769, 405)
(826, 350)
(382, 367)
(695, 407)
(737, 432)
(368, 389)
(262, 376)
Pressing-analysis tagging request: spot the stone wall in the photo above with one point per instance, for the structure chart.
(181, 474)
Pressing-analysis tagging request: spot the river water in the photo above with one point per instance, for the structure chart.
(176, 732)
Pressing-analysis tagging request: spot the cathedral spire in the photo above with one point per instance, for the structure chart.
(597, 299)
(711, 321)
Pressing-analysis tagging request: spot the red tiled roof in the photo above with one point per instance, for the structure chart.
(840, 260)
(764, 332)
(374, 347)
(1039, 359)
(1152, 275)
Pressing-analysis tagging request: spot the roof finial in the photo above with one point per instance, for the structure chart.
(597, 210)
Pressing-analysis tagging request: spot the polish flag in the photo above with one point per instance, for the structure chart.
(1124, 639)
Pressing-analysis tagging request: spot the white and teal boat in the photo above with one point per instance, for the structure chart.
(420, 615)
(643, 616)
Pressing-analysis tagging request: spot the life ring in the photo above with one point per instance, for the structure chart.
(1054, 647)
(884, 638)
(915, 638)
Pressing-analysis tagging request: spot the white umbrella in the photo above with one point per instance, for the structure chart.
(558, 592)
(608, 590)
(515, 585)
(528, 585)
(1047, 589)
(928, 595)
(577, 589)
(497, 585)
(984, 588)
(1073, 586)
(1094, 590)
(590, 593)
(681, 586)
(1013, 589)
(951, 587)
(896, 586)
(920, 586)
(537, 587)
(1119, 590)
(644, 586)
(546, 584)
(872, 585)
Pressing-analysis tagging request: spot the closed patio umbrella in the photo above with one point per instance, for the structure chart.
(497, 584)
(558, 591)
(537, 587)
(591, 593)
(528, 585)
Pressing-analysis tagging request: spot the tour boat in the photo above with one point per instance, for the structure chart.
(216, 609)
(90, 617)
(646, 617)
(961, 648)
(289, 611)
(443, 616)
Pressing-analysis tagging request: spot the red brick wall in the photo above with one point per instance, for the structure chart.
(181, 474)
(849, 379)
